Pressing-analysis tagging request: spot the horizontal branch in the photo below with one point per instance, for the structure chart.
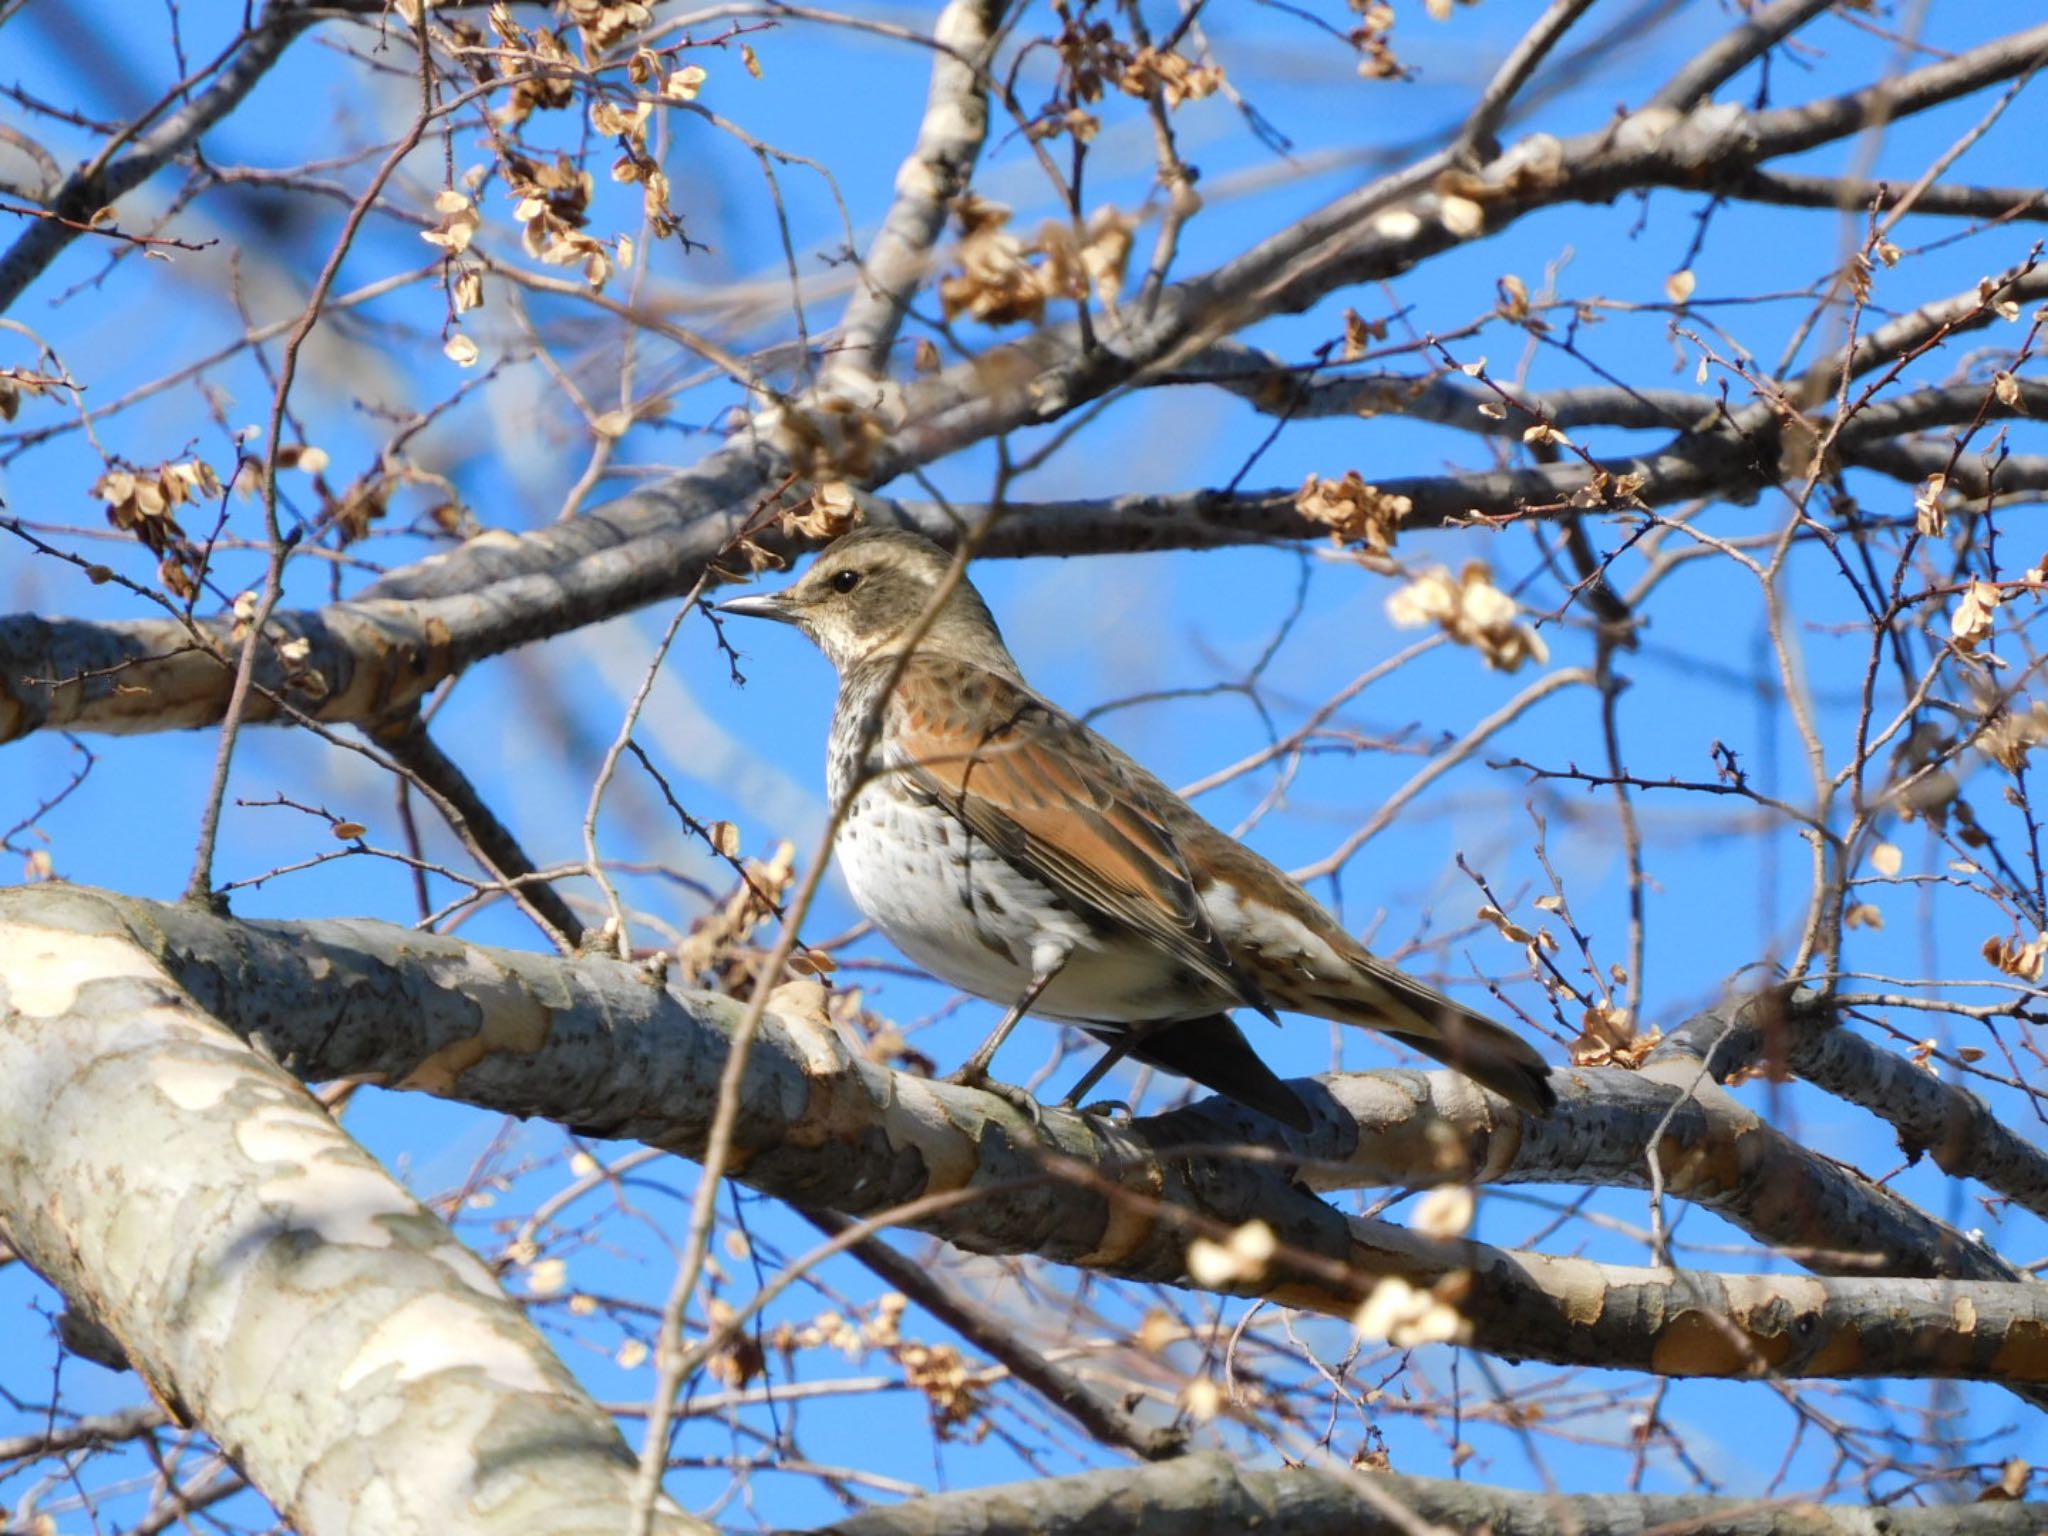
(1211, 1492)
(1857, 193)
(2012, 478)
(1276, 387)
(1419, 1128)
(372, 656)
(603, 1047)
(368, 659)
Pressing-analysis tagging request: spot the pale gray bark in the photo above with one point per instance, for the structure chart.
(263, 1273)
(1207, 1495)
(936, 171)
(1934, 1118)
(607, 1048)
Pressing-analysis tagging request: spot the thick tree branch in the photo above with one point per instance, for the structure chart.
(2015, 478)
(603, 1047)
(1789, 130)
(1941, 1120)
(1855, 194)
(1935, 1118)
(371, 656)
(196, 1201)
(1210, 1492)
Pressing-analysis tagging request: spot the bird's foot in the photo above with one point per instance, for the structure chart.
(1105, 1109)
(975, 1075)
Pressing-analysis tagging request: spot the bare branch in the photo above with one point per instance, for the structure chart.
(1213, 1492)
(206, 1198)
(949, 140)
(1527, 56)
(1854, 194)
(1735, 50)
(1788, 130)
(987, 1330)
(102, 183)
(623, 1058)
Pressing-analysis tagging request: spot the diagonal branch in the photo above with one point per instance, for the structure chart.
(1730, 54)
(373, 655)
(986, 1329)
(195, 1201)
(1855, 194)
(103, 182)
(1950, 1124)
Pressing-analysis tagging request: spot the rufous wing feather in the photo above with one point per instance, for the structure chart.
(1042, 790)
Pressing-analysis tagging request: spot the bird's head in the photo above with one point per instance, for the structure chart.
(867, 593)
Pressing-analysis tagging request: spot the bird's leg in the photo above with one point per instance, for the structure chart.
(973, 1073)
(1095, 1074)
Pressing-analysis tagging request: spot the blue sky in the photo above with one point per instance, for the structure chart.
(530, 727)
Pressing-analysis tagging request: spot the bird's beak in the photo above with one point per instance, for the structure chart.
(760, 605)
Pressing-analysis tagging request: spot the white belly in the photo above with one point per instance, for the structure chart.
(960, 911)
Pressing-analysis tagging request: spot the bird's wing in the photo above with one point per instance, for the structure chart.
(1056, 802)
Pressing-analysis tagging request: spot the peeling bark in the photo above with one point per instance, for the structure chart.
(195, 1201)
(606, 1048)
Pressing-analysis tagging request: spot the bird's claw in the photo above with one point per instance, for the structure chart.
(1105, 1109)
(1019, 1099)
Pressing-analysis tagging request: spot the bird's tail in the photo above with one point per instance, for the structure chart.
(1211, 1051)
(1492, 1056)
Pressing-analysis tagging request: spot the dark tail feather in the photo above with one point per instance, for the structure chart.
(1212, 1051)
(1492, 1057)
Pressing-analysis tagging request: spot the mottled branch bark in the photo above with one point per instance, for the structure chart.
(1933, 1118)
(606, 1049)
(198, 1204)
(1208, 1493)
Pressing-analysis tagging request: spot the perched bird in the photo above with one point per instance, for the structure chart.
(1010, 851)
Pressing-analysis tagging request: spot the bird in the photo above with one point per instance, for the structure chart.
(1012, 852)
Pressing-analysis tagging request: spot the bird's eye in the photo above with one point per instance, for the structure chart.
(846, 581)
